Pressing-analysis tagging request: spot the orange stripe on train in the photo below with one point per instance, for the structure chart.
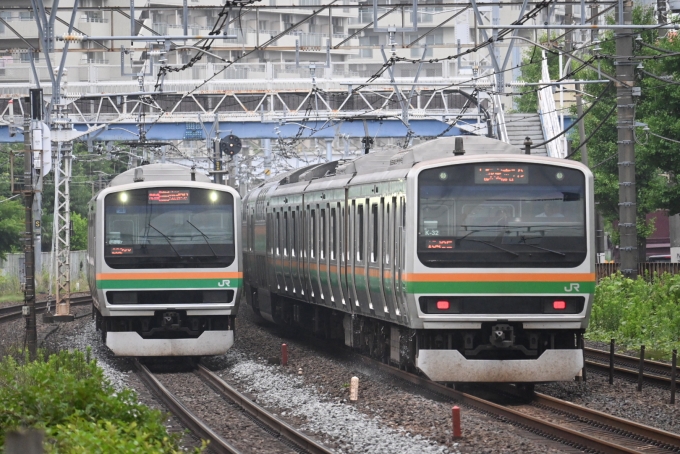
(193, 275)
(499, 277)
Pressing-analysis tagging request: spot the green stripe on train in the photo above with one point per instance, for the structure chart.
(161, 284)
(500, 287)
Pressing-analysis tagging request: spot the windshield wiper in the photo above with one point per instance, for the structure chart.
(492, 245)
(205, 237)
(167, 238)
(547, 250)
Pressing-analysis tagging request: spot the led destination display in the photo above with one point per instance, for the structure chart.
(169, 196)
(501, 175)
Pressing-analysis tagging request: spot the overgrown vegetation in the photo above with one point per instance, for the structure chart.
(635, 312)
(68, 396)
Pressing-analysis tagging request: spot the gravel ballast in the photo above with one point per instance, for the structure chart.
(389, 416)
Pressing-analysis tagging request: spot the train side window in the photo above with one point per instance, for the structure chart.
(270, 228)
(278, 233)
(333, 239)
(322, 238)
(360, 232)
(374, 230)
(312, 240)
(284, 235)
(386, 233)
(304, 231)
(293, 246)
(251, 232)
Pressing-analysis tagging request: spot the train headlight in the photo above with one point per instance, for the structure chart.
(213, 196)
(559, 176)
(443, 176)
(123, 197)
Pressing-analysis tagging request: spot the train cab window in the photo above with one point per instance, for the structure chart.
(502, 215)
(360, 232)
(332, 238)
(168, 227)
(322, 237)
(374, 231)
(312, 240)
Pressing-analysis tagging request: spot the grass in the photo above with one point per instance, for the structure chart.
(638, 312)
(67, 396)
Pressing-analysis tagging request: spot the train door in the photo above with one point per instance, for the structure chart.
(343, 251)
(294, 250)
(375, 256)
(278, 251)
(334, 256)
(286, 256)
(314, 254)
(352, 252)
(361, 259)
(304, 247)
(399, 255)
(388, 243)
(325, 256)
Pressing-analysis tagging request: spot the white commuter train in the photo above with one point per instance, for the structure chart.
(164, 261)
(461, 257)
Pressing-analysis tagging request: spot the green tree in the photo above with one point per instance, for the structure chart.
(79, 235)
(653, 162)
(603, 147)
(11, 226)
(659, 82)
(531, 70)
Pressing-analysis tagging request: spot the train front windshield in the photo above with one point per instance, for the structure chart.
(502, 215)
(169, 228)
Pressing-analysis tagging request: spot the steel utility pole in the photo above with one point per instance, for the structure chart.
(31, 128)
(625, 76)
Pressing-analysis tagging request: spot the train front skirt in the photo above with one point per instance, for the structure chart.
(451, 366)
(129, 343)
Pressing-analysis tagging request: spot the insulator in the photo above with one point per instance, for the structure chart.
(72, 37)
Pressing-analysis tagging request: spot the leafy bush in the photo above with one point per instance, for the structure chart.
(10, 285)
(68, 397)
(635, 312)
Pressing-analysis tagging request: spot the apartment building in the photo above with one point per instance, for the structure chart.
(345, 29)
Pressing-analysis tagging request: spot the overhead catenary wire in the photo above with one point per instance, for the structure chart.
(9, 198)
(597, 128)
(575, 122)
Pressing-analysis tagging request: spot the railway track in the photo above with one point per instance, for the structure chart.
(9, 313)
(272, 425)
(570, 424)
(628, 366)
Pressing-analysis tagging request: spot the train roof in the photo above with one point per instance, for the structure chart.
(397, 158)
(159, 172)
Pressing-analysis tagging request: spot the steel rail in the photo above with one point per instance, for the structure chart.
(647, 432)
(217, 444)
(280, 427)
(561, 433)
(654, 371)
(13, 312)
